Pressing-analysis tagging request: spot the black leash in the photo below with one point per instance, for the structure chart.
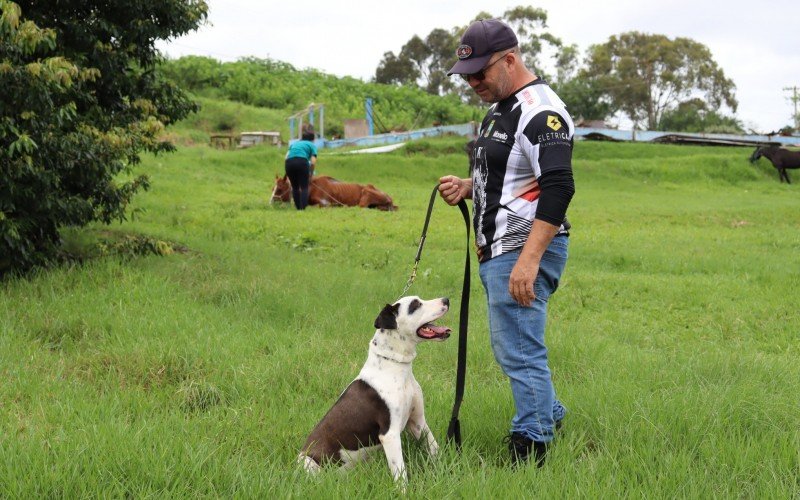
(454, 429)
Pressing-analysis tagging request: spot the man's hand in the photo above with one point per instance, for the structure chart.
(453, 189)
(520, 283)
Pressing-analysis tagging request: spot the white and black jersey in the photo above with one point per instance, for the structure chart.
(522, 168)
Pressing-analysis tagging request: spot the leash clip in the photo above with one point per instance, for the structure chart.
(410, 279)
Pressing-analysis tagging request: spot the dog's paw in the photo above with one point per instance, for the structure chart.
(433, 447)
(308, 464)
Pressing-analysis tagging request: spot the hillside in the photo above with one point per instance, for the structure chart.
(257, 85)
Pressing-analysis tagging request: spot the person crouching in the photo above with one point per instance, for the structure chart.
(300, 162)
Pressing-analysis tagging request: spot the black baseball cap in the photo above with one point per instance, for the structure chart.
(482, 39)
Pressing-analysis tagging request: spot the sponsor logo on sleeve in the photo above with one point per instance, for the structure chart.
(553, 122)
(554, 135)
(552, 138)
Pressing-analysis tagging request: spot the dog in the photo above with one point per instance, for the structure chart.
(385, 398)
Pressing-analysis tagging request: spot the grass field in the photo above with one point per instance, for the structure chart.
(674, 338)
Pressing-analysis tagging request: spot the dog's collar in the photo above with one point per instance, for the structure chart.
(397, 358)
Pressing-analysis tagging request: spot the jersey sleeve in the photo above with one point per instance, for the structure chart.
(549, 133)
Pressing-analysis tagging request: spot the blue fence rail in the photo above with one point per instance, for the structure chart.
(465, 129)
(470, 130)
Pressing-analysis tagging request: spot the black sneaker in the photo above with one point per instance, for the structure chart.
(520, 447)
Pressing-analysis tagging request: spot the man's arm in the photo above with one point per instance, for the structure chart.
(557, 190)
(557, 187)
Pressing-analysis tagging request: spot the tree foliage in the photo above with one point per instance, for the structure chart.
(646, 75)
(583, 94)
(694, 115)
(425, 62)
(530, 23)
(585, 99)
(397, 70)
(81, 99)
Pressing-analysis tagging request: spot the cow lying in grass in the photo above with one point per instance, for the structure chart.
(326, 191)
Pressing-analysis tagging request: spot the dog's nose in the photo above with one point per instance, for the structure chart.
(446, 301)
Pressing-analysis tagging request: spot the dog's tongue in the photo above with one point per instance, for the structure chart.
(431, 331)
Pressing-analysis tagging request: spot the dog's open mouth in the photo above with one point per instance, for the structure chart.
(430, 331)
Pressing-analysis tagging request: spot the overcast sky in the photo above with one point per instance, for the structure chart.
(757, 44)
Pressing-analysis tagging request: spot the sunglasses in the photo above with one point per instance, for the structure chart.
(481, 75)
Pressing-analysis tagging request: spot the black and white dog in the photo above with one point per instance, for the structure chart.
(385, 398)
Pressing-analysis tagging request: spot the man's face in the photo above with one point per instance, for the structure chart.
(492, 83)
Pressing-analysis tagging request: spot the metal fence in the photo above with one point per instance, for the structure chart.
(470, 130)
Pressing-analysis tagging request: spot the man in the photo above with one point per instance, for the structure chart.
(521, 186)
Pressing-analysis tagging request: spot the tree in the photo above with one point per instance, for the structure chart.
(585, 99)
(427, 61)
(421, 62)
(396, 70)
(582, 93)
(441, 44)
(530, 23)
(81, 100)
(645, 75)
(694, 116)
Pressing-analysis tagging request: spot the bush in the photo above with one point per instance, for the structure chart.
(67, 128)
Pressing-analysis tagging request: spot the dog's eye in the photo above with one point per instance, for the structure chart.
(413, 306)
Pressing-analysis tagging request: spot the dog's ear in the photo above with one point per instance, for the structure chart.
(387, 319)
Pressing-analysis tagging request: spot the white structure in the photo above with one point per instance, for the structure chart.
(252, 138)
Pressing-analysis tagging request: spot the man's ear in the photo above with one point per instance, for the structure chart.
(387, 319)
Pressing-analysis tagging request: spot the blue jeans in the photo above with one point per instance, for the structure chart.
(517, 336)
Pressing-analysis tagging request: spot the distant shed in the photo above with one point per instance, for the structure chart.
(252, 138)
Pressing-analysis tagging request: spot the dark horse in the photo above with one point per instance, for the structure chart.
(780, 158)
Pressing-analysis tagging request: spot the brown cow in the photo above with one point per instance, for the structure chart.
(329, 192)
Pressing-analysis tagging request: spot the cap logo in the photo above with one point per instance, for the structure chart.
(463, 51)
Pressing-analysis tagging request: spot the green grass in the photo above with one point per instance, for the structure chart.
(673, 338)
